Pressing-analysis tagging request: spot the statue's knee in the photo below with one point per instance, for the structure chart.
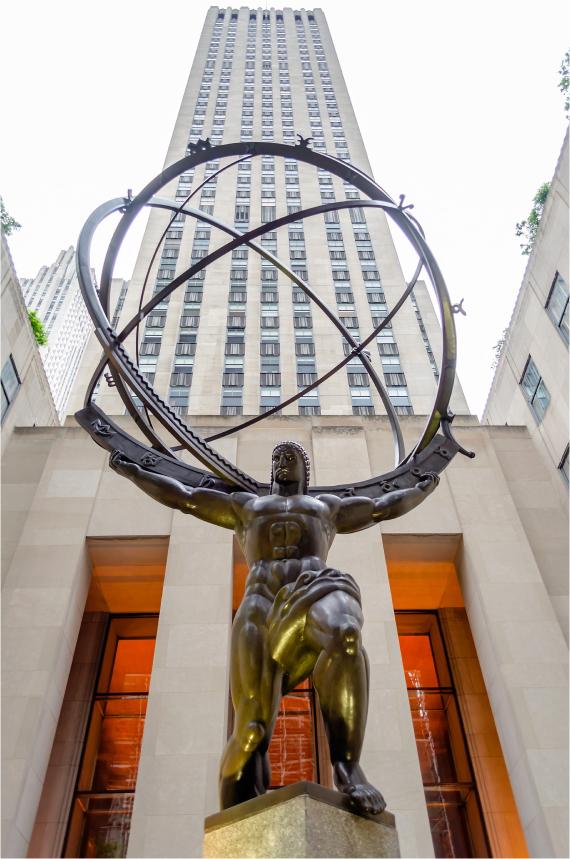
(348, 639)
(253, 735)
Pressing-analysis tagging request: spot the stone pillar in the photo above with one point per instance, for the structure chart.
(186, 721)
(519, 643)
(44, 593)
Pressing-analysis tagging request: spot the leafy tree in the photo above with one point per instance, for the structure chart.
(38, 328)
(529, 228)
(8, 223)
(564, 82)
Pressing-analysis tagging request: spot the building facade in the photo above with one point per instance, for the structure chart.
(55, 296)
(26, 398)
(530, 386)
(117, 610)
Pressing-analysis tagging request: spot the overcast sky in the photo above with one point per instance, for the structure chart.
(458, 105)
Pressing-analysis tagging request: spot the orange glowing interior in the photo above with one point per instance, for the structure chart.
(417, 657)
(122, 719)
(132, 665)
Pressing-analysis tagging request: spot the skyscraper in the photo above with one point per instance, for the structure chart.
(116, 638)
(242, 337)
(55, 296)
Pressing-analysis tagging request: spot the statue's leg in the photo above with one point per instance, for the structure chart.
(255, 689)
(340, 677)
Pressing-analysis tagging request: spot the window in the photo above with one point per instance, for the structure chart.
(358, 380)
(451, 794)
(349, 321)
(192, 321)
(10, 384)
(233, 379)
(152, 322)
(299, 297)
(557, 305)
(266, 348)
(270, 321)
(394, 378)
(302, 320)
(180, 379)
(269, 297)
(183, 348)
(150, 347)
(102, 806)
(236, 320)
(534, 390)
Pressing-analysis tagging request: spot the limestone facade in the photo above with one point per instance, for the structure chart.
(29, 401)
(538, 333)
(76, 500)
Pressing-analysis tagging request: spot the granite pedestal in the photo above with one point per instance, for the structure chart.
(303, 819)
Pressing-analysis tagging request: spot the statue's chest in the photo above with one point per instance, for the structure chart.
(285, 525)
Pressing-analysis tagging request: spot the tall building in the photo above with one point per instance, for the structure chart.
(55, 296)
(242, 337)
(116, 640)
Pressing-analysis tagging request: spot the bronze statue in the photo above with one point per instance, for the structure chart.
(298, 616)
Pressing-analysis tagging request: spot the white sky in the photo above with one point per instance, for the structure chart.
(458, 105)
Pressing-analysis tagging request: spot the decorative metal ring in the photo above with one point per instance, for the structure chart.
(130, 383)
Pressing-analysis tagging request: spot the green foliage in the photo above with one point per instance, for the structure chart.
(498, 347)
(529, 228)
(38, 328)
(8, 223)
(564, 82)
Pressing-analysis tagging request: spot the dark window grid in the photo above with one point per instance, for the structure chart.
(233, 379)
(10, 384)
(184, 348)
(181, 379)
(535, 391)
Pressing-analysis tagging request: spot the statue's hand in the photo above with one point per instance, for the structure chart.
(123, 466)
(428, 482)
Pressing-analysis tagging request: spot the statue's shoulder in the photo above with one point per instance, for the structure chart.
(333, 502)
(240, 500)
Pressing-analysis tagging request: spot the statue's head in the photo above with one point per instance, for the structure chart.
(290, 464)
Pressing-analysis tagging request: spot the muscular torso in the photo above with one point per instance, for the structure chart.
(283, 537)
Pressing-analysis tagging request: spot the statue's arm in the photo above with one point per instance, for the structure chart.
(354, 514)
(207, 504)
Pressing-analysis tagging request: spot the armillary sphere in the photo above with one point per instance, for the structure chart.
(432, 451)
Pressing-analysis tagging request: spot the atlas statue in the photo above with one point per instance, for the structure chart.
(298, 618)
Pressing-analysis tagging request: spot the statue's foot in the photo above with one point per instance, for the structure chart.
(350, 779)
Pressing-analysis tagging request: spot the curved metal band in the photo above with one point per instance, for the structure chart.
(361, 181)
(121, 365)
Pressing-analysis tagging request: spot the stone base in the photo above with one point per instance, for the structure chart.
(303, 819)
